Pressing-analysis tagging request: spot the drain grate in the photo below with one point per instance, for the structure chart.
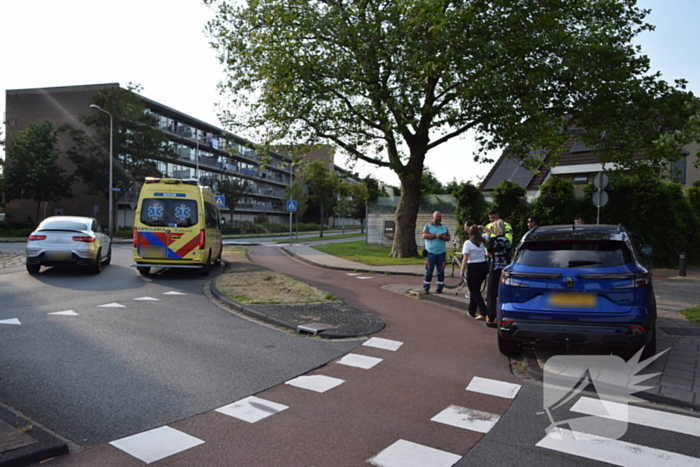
(313, 329)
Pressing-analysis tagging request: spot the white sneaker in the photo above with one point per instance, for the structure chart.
(467, 296)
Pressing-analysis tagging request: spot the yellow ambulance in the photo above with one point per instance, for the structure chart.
(176, 225)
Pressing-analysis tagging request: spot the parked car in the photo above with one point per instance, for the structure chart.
(68, 241)
(580, 287)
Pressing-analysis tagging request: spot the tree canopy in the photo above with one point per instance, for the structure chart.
(387, 81)
(33, 171)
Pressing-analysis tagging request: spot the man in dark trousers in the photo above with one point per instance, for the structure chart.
(435, 235)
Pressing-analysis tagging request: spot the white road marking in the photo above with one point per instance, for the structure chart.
(174, 293)
(10, 321)
(469, 419)
(613, 451)
(251, 409)
(353, 273)
(318, 383)
(65, 313)
(148, 299)
(157, 444)
(639, 415)
(364, 277)
(493, 387)
(111, 305)
(385, 344)
(407, 454)
(359, 361)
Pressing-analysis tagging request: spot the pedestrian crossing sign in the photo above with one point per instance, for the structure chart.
(220, 201)
(291, 206)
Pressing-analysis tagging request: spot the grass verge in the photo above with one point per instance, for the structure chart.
(692, 314)
(264, 287)
(370, 255)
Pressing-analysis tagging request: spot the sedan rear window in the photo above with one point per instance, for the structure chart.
(63, 225)
(574, 254)
(157, 212)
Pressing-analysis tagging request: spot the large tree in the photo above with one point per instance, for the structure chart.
(387, 81)
(33, 171)
(322, 186)
(233, 188)
(137, 142)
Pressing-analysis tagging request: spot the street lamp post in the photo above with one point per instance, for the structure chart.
(96, 107)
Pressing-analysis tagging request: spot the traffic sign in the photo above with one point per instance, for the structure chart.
(291, 206)
(220, 201)
(600, 199)
(601, 181)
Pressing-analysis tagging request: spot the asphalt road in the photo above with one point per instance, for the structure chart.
(130, 353)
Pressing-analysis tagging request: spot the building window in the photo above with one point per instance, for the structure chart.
(579, 179)
(678, 170)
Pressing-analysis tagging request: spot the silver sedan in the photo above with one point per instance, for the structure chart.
(68, 241)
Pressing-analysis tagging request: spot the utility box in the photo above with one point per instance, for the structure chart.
(389, 227)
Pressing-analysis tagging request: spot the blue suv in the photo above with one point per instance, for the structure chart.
(580, 287)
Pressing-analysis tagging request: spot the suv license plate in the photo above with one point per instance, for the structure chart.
(573, 300)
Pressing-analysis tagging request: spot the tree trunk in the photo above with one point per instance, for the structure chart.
(404, 245)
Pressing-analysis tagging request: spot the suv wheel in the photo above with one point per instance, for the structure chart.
(507, 347)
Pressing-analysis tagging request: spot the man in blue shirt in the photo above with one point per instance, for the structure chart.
(435, 235)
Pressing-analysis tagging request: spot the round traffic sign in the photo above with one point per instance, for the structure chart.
(601, 181)
(600, 198)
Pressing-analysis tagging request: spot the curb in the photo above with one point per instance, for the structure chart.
(340, 268)
(534, 371)
(46, 447)
(265, 318)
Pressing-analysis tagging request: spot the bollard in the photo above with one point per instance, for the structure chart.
(681, 267)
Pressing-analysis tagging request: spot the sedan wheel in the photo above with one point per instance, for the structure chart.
(97, 267)
(108, 259)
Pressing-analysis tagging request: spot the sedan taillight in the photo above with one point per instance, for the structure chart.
(36, 238)
(84, 239)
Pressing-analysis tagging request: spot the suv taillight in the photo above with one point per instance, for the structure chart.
(36, 238)
(84, 239)
(508, 278)
(639, 279)
(202, 238)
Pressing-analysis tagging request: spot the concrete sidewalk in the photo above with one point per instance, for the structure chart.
(678, 381)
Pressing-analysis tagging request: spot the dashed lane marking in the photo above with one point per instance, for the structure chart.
(407, 454)
(11, 321)
(146, 299)
(469, 419)
(157, 444)
(364, 277)
(174, 293)
(359, 361)
(317, 383)
(354, 273)
(493, 387)
(64, 313)
(251, 409)
(112, 305)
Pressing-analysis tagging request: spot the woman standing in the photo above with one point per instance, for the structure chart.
(499, 252)
(474, 260)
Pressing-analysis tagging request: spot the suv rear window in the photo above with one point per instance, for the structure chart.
(159, 212)
(574, 254)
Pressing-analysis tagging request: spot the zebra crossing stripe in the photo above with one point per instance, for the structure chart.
(251, 409)
(493, 387)
(613, 451)
(469, 419)
(157, 444)
(385, 344)
(407, 454)
(638, 415)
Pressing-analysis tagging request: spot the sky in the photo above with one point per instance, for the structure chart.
(161, 45)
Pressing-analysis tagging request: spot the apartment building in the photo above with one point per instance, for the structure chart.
(204, 151)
